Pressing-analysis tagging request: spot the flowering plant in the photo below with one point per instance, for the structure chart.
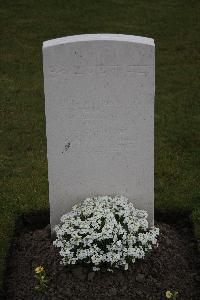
(42, 281)
(171, 294)
(104, 232)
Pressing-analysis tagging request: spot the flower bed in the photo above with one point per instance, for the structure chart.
(35, 271)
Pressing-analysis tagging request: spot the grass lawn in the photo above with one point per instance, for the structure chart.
(26, 24)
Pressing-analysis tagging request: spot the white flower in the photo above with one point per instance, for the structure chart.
(126, 267)
(104, 231)
(95, 269)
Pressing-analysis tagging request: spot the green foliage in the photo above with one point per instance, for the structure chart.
(196, 215)
(26, 24)
(196, 222)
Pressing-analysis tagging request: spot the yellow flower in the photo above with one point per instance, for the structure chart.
(39, 269)
(168, 294)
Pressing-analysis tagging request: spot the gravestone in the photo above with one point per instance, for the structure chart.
(99, 106)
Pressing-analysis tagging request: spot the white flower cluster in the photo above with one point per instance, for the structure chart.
(104, 232)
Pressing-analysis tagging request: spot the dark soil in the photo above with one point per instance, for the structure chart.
(174, 265)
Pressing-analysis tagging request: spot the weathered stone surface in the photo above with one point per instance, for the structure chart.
(99, 106)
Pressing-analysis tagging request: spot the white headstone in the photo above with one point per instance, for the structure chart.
(99, 106)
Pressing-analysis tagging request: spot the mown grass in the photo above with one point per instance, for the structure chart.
(26, 24)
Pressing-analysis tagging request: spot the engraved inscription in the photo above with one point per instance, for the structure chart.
(68, 72)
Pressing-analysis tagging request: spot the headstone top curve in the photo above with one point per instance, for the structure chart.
(98, 37)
